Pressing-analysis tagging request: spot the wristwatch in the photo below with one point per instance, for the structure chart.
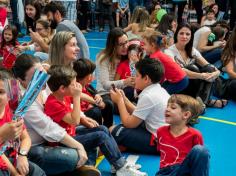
(23, 152)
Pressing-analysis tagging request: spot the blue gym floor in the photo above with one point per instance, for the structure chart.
(218, 127)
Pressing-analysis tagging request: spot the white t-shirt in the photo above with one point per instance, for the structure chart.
(198, 34)
(173, 52)
(151, 107)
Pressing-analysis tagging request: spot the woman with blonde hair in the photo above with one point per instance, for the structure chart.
(63, 49)
(142, 24)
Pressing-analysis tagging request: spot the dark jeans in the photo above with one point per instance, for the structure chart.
(101, 137)
(34, 170)
(172, 88)
(196, 163)
(197, 87)
(212, 56)
(105, 13)
(230, 92)
(102, 116)
(14, 10)
(84, 16)
(54, 160)
(135, 139)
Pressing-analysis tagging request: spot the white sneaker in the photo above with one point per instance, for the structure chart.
(135, 166)
(128, 170)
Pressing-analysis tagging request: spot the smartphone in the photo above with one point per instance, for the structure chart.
(113, 87)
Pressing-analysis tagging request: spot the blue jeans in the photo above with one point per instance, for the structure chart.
(34, 170)
(172, 88)
(196, 163)
(101, 137)
(134, 3)
(213, 55)
(135, 139)
(54, 160)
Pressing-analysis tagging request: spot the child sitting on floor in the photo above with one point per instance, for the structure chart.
(65, 92)
(174, 79)
(94, 106)
(16, 151)
(126, 68)
(181, 147)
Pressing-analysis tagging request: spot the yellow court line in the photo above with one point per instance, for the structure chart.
(218, 120)
(99, 160)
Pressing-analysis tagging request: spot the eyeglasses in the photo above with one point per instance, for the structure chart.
(38, 29)
(123, 44)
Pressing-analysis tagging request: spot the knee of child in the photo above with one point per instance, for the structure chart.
(201, 151)
(109, 104)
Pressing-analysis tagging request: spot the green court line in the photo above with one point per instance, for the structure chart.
(218, 120)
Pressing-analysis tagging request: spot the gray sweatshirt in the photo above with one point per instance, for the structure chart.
(67, 25)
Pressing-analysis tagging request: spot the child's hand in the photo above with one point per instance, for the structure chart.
(99, 102)
(88, 122)
(11, 130)
(21, 48)
(76, 89)
(116, 96)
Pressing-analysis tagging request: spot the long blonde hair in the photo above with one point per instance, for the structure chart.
(57, 47)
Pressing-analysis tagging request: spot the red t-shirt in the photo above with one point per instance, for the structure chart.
(173, 150)
(123, 69)
(9, 55)
(173, 72)
(57, 110)
(84, 105)
(7, 116)
(3, 16)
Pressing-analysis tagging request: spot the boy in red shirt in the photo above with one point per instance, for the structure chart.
(23, 166)
(66, 90)
(181, 147)
(93, 106)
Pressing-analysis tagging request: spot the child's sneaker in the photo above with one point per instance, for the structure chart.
(128, 170)
(135, 166)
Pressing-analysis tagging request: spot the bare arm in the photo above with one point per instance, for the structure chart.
(73, 117)
(128, 120)
(202, 45)
(128, 28)
(230, 69)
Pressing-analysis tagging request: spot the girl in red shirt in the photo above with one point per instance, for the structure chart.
(8, 46)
